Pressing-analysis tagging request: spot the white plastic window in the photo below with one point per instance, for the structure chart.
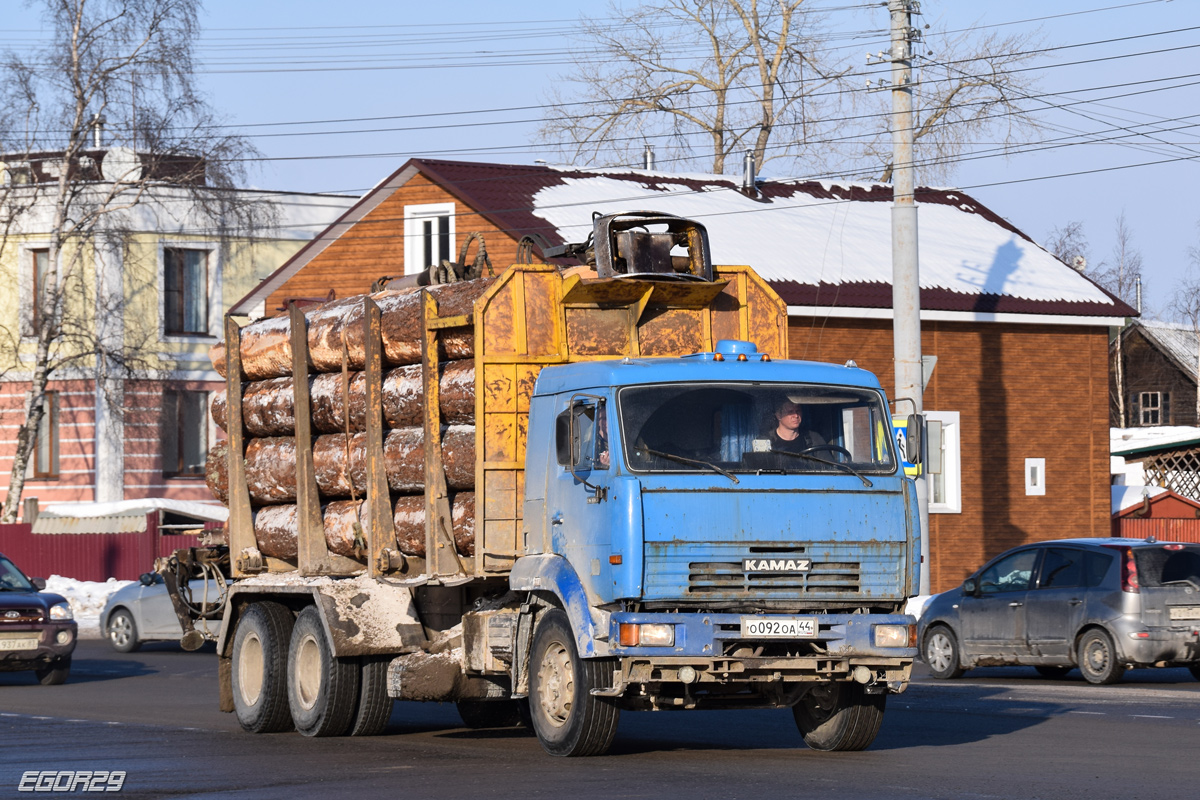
(944, 467)
(428, 236)
(1035, 476)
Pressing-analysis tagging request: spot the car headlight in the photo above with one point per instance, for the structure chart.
(61, 611)
(895, 635)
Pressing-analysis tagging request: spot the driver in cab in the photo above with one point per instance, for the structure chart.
(789, 434)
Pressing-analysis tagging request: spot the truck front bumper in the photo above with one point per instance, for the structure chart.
(711, 650)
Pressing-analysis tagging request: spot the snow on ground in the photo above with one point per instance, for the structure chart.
(87, 599)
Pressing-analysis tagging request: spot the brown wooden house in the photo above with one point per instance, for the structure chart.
(1019, 395)
(1157, 376)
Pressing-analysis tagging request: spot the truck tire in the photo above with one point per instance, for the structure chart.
(374, 704)
(259, 667)
(481, 714)
(567, 718)
(322, 689)
(122, 632)
(839, 716)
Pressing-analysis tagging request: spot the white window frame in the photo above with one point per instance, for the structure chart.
(951, 462)
(1035, 477)
(215, 286)
(414, 234)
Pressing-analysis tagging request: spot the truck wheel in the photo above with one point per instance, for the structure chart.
(941, 653)
(259, 667)
(839, 716)
(1097, 658)
(568, 719)
(489, 713)
(322, 690)
(54, 674)
(374, 703)
(122, 632)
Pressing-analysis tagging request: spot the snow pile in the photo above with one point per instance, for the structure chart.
(87, 599)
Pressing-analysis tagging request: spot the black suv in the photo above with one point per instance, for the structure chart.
(37, 629)
(1101, 605)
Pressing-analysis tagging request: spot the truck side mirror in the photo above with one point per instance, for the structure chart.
(562, 438)
(914, 438)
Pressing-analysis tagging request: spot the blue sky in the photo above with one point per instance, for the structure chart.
(512, 53)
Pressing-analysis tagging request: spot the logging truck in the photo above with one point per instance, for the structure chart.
(555, 493)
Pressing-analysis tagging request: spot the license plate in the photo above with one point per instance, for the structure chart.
(779, 627)
(1185, 612)
(18, 644)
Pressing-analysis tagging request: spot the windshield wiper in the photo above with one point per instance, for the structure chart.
(1186, 581)
(686, 460)
(846, 467)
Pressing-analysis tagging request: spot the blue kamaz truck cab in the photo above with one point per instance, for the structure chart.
(700, 560)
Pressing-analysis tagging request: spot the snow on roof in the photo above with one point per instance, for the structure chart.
(1125, 441)
(812, 239)
(1179, 342)
(1124, 497)
(132, 508)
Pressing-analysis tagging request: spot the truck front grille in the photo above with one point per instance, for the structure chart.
(707, 577)
(839, 571)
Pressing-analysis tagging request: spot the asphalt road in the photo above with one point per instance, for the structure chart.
(996, 733)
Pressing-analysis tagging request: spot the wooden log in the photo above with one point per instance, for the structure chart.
(271, 464)
(275, 528)
(409, 519)
(216, 471)
(266, 350)
(268, 410)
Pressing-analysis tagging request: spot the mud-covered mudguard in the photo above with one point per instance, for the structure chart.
(553, 574)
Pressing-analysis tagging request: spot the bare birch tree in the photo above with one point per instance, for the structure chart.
(701, 78)
(1069, 245)
(128, 63)
(705, 79)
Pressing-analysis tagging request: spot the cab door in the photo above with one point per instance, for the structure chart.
(577, 506)
(993, 619)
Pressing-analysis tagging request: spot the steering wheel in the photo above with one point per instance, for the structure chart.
(836, 448)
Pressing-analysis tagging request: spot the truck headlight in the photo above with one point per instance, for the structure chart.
(647, 635)
(895, 635)
(61, 611)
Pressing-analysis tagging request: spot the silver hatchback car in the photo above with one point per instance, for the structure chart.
(1102, 605)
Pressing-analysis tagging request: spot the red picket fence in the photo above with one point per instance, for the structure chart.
(90, 556)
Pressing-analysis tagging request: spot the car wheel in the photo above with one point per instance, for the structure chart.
(941, 653)
(374, 703)
(481, 714)
(259, 668)
(322, 689)
(1097, 658)
(568, 719)
(55, 673)
(122, 632)
(1051, 672)
(839, 716)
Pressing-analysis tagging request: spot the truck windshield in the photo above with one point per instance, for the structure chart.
(755, 427)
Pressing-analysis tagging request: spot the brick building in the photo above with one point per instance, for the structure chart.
(1019, 393)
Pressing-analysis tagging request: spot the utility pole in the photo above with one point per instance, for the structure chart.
(906, 286)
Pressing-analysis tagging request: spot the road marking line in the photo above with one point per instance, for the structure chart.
(1094, 713)
(1150, 716)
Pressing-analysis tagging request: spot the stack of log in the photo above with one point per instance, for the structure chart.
(339, 448)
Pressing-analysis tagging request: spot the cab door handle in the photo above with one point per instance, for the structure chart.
(1015, 604)
(1074, 601)
(557, 519)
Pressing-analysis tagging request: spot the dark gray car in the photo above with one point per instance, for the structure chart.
(1102, 605)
